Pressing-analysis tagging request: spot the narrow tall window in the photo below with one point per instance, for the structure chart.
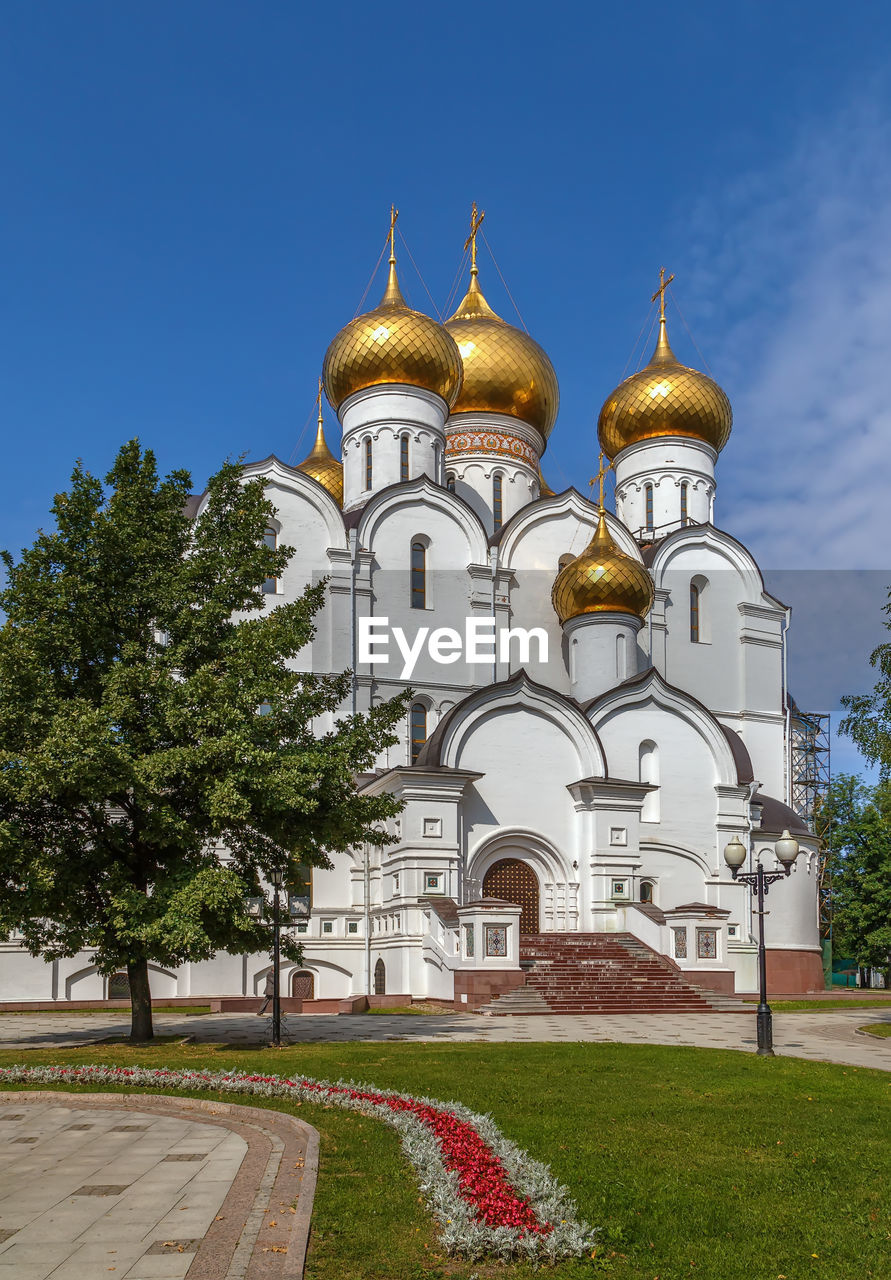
(418, 575)
(450, 482)
(368, 464)
(648, 756)
(694, 613)
(418, 729)
(497, 507)
(403, 458)
(270, 537)
(684, 488)
(648, 494)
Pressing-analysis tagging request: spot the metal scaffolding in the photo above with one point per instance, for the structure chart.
(810, 772)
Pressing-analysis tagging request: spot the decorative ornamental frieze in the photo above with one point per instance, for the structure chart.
(491, 442)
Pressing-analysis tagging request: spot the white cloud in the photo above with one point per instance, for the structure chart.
(792, 282)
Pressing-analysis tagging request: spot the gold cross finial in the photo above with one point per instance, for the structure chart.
(601, 474)
(394, 214)
(660, 293)
(476, 221)
(319, 402)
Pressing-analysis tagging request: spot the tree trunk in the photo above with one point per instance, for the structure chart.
(140, 1001)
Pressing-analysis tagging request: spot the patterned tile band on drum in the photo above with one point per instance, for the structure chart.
(491, 442)
(490, 1198)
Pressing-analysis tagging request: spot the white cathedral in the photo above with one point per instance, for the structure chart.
(600, 701)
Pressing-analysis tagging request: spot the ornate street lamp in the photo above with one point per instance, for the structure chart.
(276, 879)
(786, 849)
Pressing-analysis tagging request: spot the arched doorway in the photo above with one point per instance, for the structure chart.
(302, 985)
(380, 979)
(515, 881)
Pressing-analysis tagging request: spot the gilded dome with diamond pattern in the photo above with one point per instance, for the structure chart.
(391, 344)
(603, 579)
(505, 371)
(664, 399)
(321, 465)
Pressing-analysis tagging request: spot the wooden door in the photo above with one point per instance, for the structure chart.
(515, 881)
(302, 985)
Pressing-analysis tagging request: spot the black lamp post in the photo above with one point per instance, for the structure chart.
(759, 880)
(276, 879)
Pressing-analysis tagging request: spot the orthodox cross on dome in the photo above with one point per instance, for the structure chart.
(660, 293)
(394, 214)
(319, 402)
(476, 221)
(601, 475)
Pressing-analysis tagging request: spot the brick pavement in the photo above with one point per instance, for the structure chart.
(144, 1187)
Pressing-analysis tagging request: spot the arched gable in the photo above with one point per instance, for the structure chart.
(516, 698)
(648, 691)
(704, 549)
(286, 486)
(401, 511)
(542, 531)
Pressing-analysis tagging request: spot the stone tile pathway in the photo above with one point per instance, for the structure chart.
(145, 1187)
(826, 1035)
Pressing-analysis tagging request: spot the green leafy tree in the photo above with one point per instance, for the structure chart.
(142, 794)
(857, 821)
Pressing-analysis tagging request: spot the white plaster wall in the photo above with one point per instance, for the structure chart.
(383, 414)
(666, 464)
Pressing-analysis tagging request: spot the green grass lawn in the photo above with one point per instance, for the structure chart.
(819, 1006)
(878, 1029)
(695, 1163)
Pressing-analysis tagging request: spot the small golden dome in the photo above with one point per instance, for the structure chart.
(665, 398)
(320, 463)
(505, 371)
(603, 579)
(392, 344)
(544, 489)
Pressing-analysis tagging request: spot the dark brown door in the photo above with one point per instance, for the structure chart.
(302, 985)
(515, 881)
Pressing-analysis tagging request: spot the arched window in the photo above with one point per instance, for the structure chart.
(368, 461)
(437, 461)
(497, 504)
(621, 659)
(646, 891)
(119, 987)
(270, 537)
(418, 575)
(648, 756)
(694, 612)
(450, 482)
(403, 458)
(648, 498)
(684, 488)
(418, 729)
(380, 979)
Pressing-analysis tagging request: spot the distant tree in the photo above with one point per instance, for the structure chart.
(857, 820)
(137, 652)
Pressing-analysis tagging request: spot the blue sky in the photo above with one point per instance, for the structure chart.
(195, 195)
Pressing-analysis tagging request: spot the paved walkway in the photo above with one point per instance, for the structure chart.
(147, 1187)
(824, 1034)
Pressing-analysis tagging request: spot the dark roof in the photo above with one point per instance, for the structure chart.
(741, 757)
(777, 817)
(191, 505)
(445, 908)
(700, 908)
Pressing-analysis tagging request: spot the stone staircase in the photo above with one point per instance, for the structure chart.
(603, 973)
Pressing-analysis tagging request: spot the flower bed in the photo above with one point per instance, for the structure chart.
(488, 1196)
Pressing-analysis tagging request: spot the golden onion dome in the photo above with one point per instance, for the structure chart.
(603, 579)
(665, 398)
(321, 465)
(392, 344)
(505, 371)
